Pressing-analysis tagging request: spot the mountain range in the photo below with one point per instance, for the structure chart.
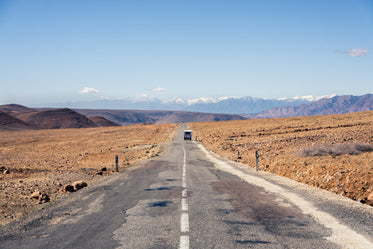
(227, 105)
(17, 117)
(326, 106)
(247, 106)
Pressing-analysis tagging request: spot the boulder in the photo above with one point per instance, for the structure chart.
(35, 195)
(79, 185)
(5, 170)
(43, 198)
(67, 188)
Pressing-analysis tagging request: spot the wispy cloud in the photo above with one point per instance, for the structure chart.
(355, 52)
(159, 89)
(86, 90)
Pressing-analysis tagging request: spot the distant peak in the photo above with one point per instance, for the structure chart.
(309, 97)
(200, 100)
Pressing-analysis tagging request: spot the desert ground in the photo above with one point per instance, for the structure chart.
(48, 160)
(330, 152)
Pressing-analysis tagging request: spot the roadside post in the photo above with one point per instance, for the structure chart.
(116, 163)
(256, 160)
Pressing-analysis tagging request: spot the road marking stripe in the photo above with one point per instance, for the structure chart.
(184, 223)
(184, 242)
(184, 220)
(184, 204)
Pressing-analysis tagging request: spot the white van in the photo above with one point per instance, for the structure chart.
(187, 135)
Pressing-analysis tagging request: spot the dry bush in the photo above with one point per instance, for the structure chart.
(335, 150)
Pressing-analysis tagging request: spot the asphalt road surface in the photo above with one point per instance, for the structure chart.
(189, 198)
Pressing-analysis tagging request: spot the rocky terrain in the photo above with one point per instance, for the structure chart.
(330, 152)
(39, 166)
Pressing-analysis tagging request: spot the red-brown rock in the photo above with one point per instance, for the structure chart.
(67, 188)
(79, 185)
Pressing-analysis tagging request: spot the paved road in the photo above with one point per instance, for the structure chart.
(190, 199)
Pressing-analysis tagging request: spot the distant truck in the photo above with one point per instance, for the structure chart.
(187, 135)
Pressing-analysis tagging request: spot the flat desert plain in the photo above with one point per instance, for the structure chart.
(330, 152)
(46, 160)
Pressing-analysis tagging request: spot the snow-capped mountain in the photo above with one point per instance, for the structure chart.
(226, 105)
(310, 97)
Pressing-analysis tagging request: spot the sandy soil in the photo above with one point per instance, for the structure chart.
(45, 160)
(279, 142)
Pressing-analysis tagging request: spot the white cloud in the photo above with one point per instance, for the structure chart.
(88, 90)
(159, 89)
(355, 52)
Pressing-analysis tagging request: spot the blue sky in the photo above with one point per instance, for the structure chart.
(71, 50)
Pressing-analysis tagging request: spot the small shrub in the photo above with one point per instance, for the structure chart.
(335, 150)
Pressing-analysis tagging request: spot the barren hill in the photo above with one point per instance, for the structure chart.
(126, 117)
(103, 122)
(57, 119)
(336, 105)
(10, 123)
(14, 109)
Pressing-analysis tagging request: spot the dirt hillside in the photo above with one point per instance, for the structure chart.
(14, 109)
(330, 152)
(46, 160)
(57, 119)
(102, 122)
(10, 123)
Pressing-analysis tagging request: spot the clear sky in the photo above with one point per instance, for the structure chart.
(75, 50)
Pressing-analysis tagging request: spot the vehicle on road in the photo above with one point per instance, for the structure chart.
(187, 135)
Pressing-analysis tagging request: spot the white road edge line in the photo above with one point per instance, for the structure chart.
(341, 234)
(184, 219)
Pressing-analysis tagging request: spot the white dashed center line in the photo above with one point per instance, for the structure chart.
(184, 220)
